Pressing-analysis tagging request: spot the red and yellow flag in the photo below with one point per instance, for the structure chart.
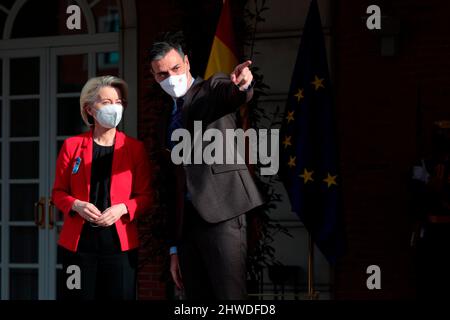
(223, 56)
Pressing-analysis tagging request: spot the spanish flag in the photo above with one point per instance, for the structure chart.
(223, 56)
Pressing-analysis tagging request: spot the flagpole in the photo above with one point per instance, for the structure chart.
(312, 294)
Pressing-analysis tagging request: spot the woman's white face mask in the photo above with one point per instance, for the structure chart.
(109, 115)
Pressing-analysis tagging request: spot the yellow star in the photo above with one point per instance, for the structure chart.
(291, 162)
(330, 180)
(307, 175)
(290, 116)
(318, 83)
(287, 141)
(299, 95)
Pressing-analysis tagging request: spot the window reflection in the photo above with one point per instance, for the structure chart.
(107, 16)
(108, 64)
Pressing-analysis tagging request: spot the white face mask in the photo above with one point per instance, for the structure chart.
(109, 115)
(176, 85)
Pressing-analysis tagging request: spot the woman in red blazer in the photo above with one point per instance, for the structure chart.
(102, 184)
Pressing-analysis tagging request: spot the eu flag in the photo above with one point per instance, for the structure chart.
(309, 154)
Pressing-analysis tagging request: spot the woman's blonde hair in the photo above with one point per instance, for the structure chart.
(89, 93)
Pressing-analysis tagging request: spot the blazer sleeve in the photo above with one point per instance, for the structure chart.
(142, 194)
(61, 194)
(227, 95)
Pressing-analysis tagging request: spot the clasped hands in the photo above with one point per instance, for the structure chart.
(89, 212)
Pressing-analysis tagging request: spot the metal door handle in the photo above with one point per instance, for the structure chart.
(51, 214)
(39, 214)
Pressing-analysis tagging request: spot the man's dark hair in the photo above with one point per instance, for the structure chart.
(169, 41)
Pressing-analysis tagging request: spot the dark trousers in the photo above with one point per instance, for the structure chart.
(213, 258)
(107, 273)
(110, 276)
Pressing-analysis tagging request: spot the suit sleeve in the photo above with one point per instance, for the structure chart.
(61, 194)
(142, 193)
(227, 95)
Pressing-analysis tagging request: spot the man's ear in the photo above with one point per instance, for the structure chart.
(186, 61)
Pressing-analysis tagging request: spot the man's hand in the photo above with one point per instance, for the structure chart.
(111, 215)
(175, 271)
(242, 76)
(86, 210)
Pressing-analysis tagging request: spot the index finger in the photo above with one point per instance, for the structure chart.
(245, 64)
(94, 209)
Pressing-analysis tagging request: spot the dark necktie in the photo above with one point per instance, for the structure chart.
(175, 122)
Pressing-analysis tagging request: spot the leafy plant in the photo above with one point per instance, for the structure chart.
(261, 251)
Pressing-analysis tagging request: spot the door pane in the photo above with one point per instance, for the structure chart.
(25, 118)
(69, 117)
(23, 244)
(22, 199)
(72, 73)
(24, 75)
(24, 161)
(23, 284)
(108, 64)
(107, 16)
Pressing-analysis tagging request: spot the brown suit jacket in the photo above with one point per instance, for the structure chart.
(219, 191)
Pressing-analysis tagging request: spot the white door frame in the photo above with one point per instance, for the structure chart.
(47, 154)
(6, 56)
(125, 42)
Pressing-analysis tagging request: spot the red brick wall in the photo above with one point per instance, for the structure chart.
(377, 101)
(152, 18)
(197, 19)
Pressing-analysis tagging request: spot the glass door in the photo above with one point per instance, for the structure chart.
(39, 109)
(70, 68)
(24, 168)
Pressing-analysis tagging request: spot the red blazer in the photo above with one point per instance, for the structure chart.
(130, 184)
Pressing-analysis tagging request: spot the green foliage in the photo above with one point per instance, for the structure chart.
(262, 253)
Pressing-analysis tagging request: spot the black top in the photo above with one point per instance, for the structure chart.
(93, 238)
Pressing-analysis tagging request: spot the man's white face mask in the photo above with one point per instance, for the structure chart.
(176, 85)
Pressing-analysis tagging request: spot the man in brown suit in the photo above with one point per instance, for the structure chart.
(208, 202)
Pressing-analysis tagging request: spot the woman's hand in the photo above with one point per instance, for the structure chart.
(112, 214)
(86, 210)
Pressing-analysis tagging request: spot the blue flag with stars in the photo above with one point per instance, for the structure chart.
(309, 154)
